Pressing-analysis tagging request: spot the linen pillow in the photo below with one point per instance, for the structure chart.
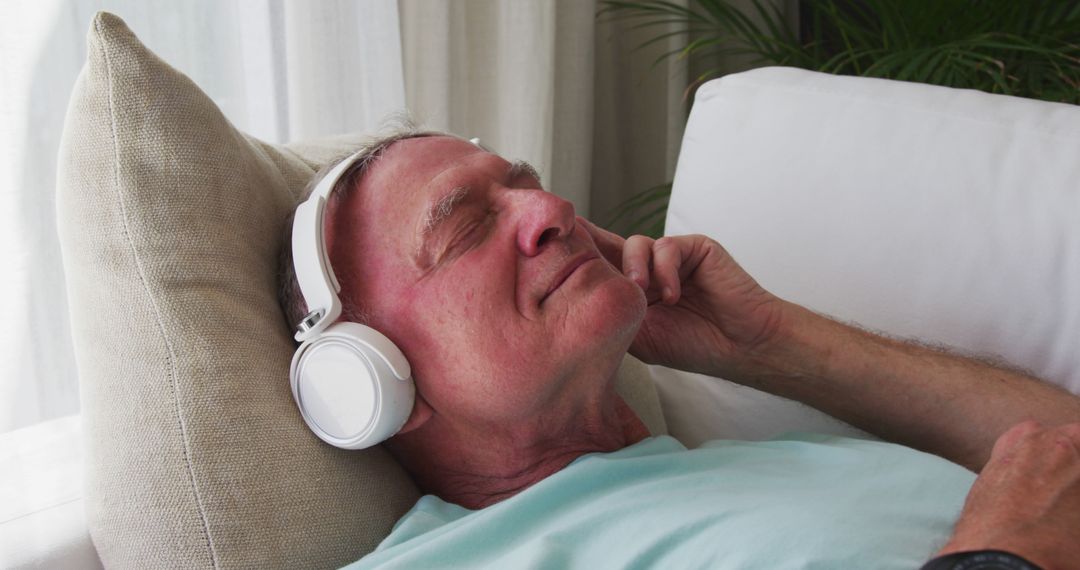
(170, 221)
(946, 215)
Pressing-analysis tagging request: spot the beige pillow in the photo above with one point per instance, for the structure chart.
(170, 222)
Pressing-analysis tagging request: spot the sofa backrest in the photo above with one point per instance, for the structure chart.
(946, 215)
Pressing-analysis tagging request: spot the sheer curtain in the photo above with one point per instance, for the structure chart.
(280, 70)
(548, 82)
(540, 80)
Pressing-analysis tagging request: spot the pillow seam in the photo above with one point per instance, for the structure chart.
(171, 356)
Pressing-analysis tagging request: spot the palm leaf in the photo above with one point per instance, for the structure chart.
(1028, 48)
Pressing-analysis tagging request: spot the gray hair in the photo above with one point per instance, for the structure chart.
(289, 294)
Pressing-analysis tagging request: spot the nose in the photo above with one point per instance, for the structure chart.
(542, 217)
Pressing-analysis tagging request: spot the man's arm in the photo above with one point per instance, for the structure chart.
(707, 315)
(925, 398)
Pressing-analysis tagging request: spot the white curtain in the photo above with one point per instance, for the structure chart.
(541, 80)
(546, 81)
(280, 70)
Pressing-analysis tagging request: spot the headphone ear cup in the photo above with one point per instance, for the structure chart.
(353, 386)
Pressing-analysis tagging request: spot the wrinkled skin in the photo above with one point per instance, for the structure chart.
(1027, 498)
(512, 321)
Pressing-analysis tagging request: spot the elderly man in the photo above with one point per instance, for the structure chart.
(514, 314)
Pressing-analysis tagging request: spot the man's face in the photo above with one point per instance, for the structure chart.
(496, 295)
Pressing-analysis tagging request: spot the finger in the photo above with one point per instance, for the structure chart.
(1072, 429)
(637, 259)
(610, 244)
(1014, 435)
(1070, 436)
(667, 261)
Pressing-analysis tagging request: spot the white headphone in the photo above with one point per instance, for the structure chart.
(353, 386)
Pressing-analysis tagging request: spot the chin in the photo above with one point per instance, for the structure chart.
(616, 310)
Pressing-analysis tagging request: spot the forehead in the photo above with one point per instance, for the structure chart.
(390, 198)
(410, 171)
(412, 163)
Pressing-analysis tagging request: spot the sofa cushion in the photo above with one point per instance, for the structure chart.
(42, 520)
(170, 221)
(942, 214)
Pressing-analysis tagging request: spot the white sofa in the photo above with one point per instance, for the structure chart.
(42, 523)
(942, 214)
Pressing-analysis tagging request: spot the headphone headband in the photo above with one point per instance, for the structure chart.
(318, 284)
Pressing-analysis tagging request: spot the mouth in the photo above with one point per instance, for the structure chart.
(566, 271)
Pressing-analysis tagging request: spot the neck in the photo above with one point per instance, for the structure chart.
(479, 470)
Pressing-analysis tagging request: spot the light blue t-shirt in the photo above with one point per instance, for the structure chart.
(805, 501)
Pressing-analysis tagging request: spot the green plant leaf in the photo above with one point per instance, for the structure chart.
(1027, 48)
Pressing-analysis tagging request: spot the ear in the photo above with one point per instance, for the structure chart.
(421, 413)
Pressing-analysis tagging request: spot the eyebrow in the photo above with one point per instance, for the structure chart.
(519, 167)
(442, 208)
(437, 212)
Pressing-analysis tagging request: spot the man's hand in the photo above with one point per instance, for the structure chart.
(1027, 499)
(705, 313)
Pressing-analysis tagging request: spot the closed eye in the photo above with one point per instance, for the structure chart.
(470, 233)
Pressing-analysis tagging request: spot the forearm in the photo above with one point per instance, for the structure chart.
(945, 404)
